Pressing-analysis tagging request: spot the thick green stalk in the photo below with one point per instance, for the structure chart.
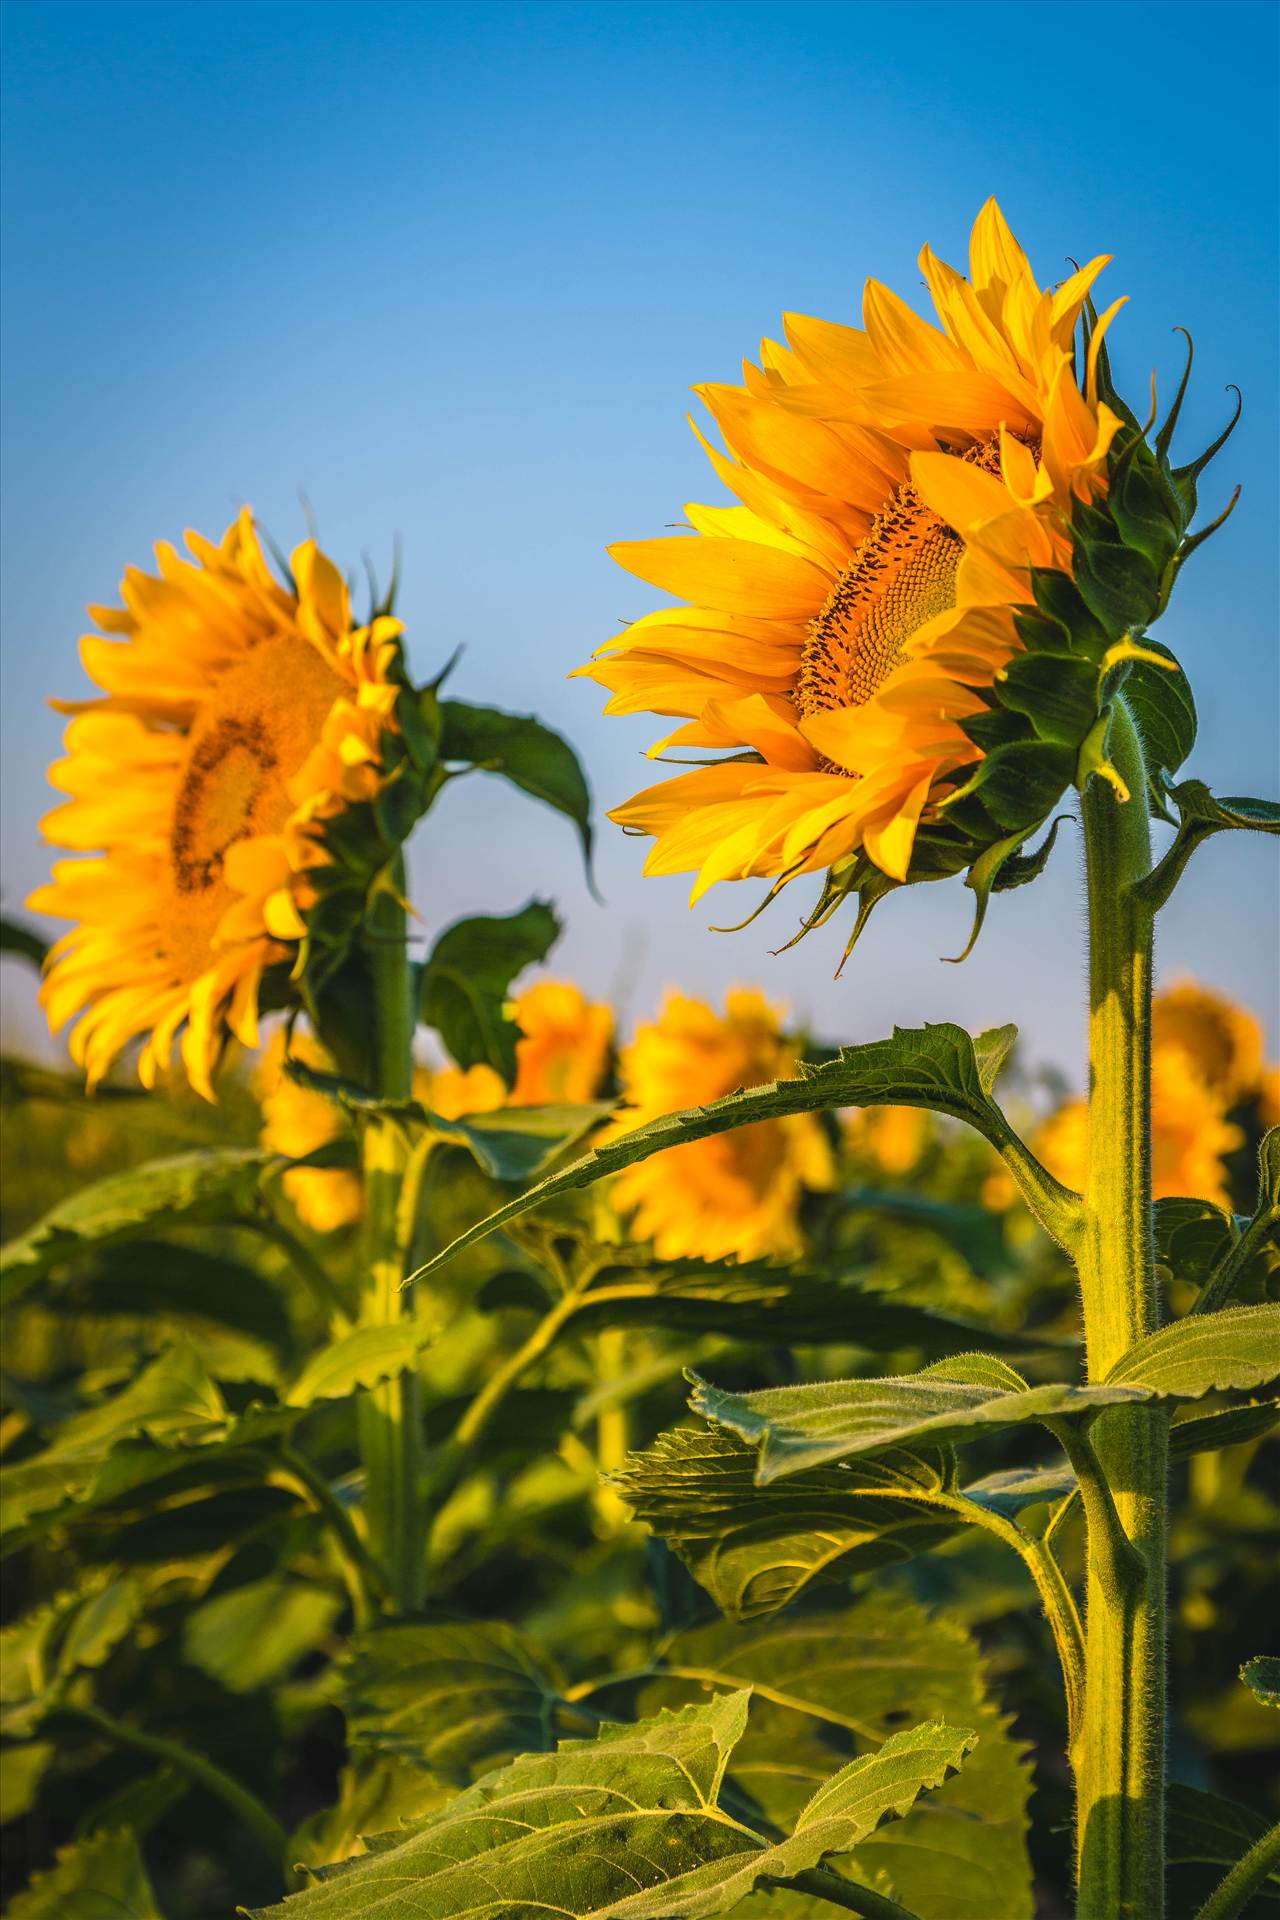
(1118, 1754)
(390, 1415)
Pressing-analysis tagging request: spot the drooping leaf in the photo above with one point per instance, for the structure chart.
(22, 1768)
(754, 1300)
(99, 1878)
(524, 751)
(1160, 700)
(213, 1185)
(628, 1825)
(939, 1067)
(1014, 1489)
(1262, 1677)
(1236, 1348)
(797, 1428)
(255, 1634)
(360, 1358)
(77, 1628)
(454, 1698)
(186, 1286)
(839, 1681)
(467, 976)
(517, 1143)
(1226, 1427)
(755, 1549)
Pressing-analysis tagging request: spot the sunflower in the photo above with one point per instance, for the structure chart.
(563, 1050)
(296, 1121)
(847, 618)
(1222, 1042)
(1190, 1135)
(454, 1092)
(239, 716)
(736, 1193)
(891, 1138)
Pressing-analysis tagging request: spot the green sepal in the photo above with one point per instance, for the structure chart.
(1057, 692)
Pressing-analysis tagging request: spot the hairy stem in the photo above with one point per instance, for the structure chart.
(1055, 1596)
(1231, 1896)
(1118, 1754)
(366, 1582)
(198, 1769)
(390, 1415)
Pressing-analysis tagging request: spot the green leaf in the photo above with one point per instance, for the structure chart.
(1228, 1427)
(360, 1358)
(522, 750)
(629, 1825)
(1262, 1677)
(255, 1634)
(797, 1428)
(17, 937)
(1057, 692)
(99, 1878)
(1236, 1349)
(1203, 1827)
(467, 977)
(171, 1418)
(756, 1550)
(940, 1067)
(515, 1143)
(753, 1300)
(1220, 813)
(1192, 1236)
(183, 1286)
(1014, 1489)
(214, 1185)
(1163, 710)
(454, 1699)
(831, 1682)
(22, 1768)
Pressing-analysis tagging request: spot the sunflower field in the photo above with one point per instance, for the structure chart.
(470, 1453)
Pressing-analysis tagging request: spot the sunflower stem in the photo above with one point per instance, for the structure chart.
(1118, 1754)
(390, 1415)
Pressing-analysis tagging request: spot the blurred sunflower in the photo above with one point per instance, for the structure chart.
(892, 1138)
(736, 1193)
(562, 1054)
(1190, 1135)
(240, 714)
(896, 484)
(296, 1121)
(1222, 1042)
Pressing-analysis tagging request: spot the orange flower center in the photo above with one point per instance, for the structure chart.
(902, 574)
(257, 727)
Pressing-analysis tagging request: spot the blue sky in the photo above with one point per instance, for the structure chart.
(451, 269)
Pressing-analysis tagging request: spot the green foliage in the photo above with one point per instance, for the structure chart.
(100, 1878)
(541, 763)
(467, 976)
(631, 1823)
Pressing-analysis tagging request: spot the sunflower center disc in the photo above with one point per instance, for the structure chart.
(262, 719)
(902, 574)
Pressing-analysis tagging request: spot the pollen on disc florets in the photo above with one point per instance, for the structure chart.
(902, 574)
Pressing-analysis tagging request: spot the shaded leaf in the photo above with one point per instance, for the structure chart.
(1163, 709)
(453, 1698)
(22, 1768)
(516, 1143)
(522, 750)
(755, 1550)
(1192, 1236)
(212, 1185)
(467, 976)
(629, 1825)
(17, 937)
(1227, 1427)
(1262, 1677)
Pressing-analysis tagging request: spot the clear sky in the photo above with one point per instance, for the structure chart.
(451, 269)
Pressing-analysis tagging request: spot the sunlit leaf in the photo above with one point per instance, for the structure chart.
(99, 1878)
(628, 1825)
(796, 1428)
(1236, 1348)
(360, 1358)
(940, 1067)
(835, 1682)
(255, 1634)
(1262, 1677)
